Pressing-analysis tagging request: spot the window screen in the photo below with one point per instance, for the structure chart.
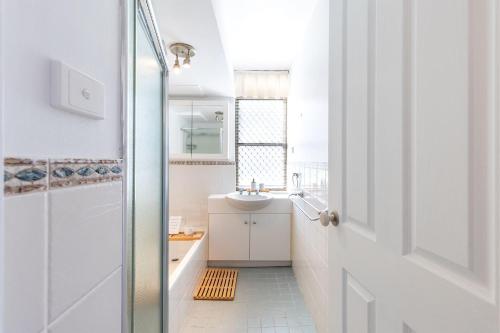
(261, 142)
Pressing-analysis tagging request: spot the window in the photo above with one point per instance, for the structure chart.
(261, 142)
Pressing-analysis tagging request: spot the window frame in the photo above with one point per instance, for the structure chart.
(284, 145)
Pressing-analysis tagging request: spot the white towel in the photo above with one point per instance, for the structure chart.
(174, 225)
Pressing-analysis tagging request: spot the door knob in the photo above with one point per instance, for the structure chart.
(332, 217)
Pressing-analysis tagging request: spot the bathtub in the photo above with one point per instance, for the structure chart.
(187, 260)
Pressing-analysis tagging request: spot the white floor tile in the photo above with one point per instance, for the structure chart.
(267, 300)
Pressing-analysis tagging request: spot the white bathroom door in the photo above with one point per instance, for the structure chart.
(414, 166)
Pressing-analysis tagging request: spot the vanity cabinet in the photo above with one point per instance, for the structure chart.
(253, 237)
(270, 237)
(228, 236)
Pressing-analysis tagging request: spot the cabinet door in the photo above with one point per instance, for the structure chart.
(270, 237)
(229, 236)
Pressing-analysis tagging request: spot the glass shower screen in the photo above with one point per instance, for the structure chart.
(148, 184)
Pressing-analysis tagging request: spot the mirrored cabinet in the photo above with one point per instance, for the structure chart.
(199, 129)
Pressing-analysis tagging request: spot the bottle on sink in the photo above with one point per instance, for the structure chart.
(253, 185)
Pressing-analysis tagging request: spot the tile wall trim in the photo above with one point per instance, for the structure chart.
(22, 175)
(201, 162)
(25, 175)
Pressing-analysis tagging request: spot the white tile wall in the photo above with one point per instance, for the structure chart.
(190, 186)
(63, 260)
(25, 263)
(310, 264)
(308, 108)
(97, 312)
(85, 241)
(313, 179)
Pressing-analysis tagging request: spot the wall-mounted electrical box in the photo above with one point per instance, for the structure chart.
(74, 91)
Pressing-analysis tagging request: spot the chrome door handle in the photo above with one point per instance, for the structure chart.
(332, 217)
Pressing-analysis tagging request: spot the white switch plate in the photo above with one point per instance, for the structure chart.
(74, 91)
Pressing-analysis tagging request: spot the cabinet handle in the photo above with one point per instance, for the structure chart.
(246, 222)
(254, 222)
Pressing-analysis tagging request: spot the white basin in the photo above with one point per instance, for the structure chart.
(249, 202)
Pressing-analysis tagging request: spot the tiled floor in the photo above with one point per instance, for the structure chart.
(267, 300)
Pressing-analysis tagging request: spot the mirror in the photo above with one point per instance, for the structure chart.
(198, 129)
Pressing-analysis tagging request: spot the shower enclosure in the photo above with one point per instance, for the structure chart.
(145, 308)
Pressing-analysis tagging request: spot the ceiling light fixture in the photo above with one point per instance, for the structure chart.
(177, 67)
(187, 62)
(182, 50)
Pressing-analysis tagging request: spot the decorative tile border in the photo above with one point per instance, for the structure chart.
(27, 175)
(73, 172)
(199, 162)
(22, 175)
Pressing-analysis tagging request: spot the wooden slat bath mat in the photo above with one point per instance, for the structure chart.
(183, 237)
(217, 284)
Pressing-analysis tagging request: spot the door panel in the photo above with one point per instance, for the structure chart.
(450, 137)
(413, 168)
(438, 74)
(229, 236)
(358, 81)
(270, 237)
(359, 307)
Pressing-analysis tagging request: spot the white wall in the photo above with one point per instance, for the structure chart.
(308, 94)
(84, 34)
(62, 246)
(190, 186)
(308, 155)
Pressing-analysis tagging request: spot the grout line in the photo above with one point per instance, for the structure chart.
(84, 297)
(47, 258)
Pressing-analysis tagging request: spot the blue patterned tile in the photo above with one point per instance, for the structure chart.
(22, 175)
(63, 172)
(102, 170)
(116, 169)
(31, 175)
(200, 162)
(7, 176)
(88, 171)
(85, 171)
(28, 175)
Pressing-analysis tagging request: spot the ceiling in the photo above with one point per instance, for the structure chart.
(229, 35)
(262, 34)
(193, 22)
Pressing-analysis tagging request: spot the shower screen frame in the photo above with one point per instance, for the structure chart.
(133, 10)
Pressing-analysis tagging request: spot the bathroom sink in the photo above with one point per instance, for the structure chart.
(249, 202)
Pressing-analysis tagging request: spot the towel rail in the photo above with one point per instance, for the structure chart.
(318, 211)
(307, 215)
(325, 217)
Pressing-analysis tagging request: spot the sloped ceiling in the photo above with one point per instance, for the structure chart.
(262, 34)
(193, 22)
(229, 35)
